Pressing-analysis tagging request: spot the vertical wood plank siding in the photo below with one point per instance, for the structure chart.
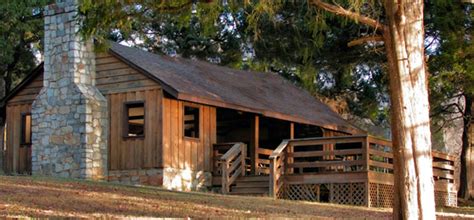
(17, 157)
(121, 84)
(135, 152)
(187, 153)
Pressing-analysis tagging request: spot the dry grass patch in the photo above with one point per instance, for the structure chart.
(47, 197)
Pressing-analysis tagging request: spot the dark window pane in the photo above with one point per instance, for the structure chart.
(191, 122)
(135, 119)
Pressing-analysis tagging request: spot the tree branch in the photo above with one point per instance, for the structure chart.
(365, 39)
(349, 14)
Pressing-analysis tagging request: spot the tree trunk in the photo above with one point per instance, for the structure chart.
(411, 137)
(404, 42)
(466, 190)
(2, 144)
(2, 124)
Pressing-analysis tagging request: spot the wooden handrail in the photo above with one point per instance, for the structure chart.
(233, 165)
(348, 155)
(279, 149)
(277, 168)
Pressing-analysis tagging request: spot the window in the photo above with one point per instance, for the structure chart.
(26, 129)
(135, 119)
(191, 122)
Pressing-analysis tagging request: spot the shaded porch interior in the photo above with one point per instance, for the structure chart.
(256, 155)
(260, 134)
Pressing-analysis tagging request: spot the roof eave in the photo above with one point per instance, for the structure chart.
(35, 72)
(281, 116)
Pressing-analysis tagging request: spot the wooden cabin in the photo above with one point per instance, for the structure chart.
(190, 125)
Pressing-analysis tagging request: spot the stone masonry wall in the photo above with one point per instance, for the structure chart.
(152, 177)
(69, 116)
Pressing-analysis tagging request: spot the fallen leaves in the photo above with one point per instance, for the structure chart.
(46, 197)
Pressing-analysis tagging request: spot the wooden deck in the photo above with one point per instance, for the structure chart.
(355, 170)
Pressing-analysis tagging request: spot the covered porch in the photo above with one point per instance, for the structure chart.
(355, 170)
(261, 135)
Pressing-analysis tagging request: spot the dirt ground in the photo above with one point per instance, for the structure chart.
(47, 197)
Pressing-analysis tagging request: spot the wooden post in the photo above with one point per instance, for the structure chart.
(254, 144)
(290, 160)
(292, 130)
(225, 177)
(470, 162)
(215, 161)
(328, 147)
(2, 147)
(273, 182)
(243, 151)
(366, 147)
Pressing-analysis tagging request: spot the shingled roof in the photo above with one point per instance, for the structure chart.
(263, 93)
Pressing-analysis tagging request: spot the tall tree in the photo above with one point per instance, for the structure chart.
(21, 32)
(402, 31)
(451, 63)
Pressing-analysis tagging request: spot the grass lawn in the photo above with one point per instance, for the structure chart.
(48, 197)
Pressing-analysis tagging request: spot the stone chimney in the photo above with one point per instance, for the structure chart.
(69, 116)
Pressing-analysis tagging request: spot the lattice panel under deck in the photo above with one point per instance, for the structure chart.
(307, 192)
(340, 193)
(347, 193)
(446, 198)
(381, 195)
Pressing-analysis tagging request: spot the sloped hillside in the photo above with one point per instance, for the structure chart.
(44, 197)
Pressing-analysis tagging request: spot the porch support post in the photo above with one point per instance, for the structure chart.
(366, 146)
(290, 147)
(292, 130)
(328, 147)
(254, 145)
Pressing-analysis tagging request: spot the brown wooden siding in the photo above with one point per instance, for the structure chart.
(29, 92)
(114, 76)
(182, 152)
(140, 152)
(17, 159)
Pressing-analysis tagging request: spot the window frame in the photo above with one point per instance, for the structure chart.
(23, 142)
(190, 105)
(125, 119)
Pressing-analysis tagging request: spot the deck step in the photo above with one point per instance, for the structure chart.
(253, 179)
(217, 180)
(250, 194)
(247, 185)
(252, 184)
(254, 190)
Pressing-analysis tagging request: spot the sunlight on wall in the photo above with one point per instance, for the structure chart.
(186, 179)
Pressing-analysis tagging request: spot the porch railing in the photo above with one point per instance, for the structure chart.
(277, 168)
(263, 161)
(362, 165)
(232, 165)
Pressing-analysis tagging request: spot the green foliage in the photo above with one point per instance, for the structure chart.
(187, 28)
(21, 32)
(293, 38)
(451, 62)
(311, 44)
